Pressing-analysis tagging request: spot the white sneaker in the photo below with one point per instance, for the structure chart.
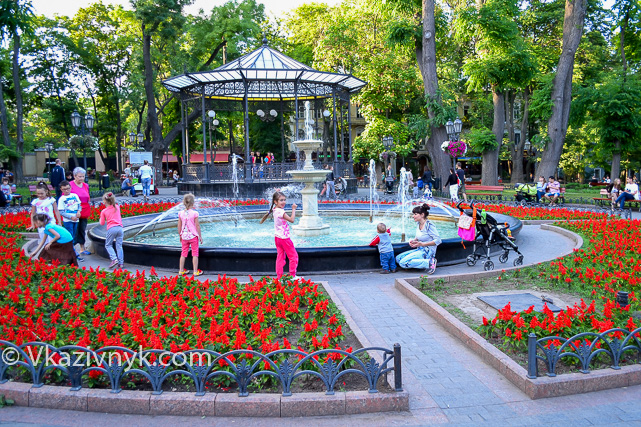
(298, 278)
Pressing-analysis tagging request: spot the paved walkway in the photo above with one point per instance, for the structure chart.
(448, 383)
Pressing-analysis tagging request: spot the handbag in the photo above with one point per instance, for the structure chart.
(465, 222)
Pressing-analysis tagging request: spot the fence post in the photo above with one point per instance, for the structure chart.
(398, 375)
(531, 356)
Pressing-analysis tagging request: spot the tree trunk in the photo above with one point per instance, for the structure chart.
(17, 163)
(562, 89)
(615, 169)
(3, 118)
(489, 173)
(427, 65)
(517, 154)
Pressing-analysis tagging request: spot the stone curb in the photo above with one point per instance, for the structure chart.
(539, 388)
(211, 404)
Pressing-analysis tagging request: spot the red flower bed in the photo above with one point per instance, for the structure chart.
(93, 308)
(610, 262)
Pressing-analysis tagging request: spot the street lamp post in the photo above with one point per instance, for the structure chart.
(453, 130)
(388, 143)
(49, 147)
(79, 124)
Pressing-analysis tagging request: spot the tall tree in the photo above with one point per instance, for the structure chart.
(15, 20)
(562, 87)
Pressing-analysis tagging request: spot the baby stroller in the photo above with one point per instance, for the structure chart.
(493, 234)
(525, 193)
(340, 187)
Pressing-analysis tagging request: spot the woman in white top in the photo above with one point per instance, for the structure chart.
(424, 244)
(145, 177)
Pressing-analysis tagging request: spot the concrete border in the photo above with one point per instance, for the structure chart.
(538, 388)
(211, 404)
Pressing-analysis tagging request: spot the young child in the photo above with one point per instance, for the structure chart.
(190, 235)
(110, 215)
(69, 207)
(385, 249)
(6, 188)
(60, 248)
(44, 204)
(284, 245)
(415, 192)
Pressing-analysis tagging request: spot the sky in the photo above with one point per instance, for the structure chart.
(69, 8)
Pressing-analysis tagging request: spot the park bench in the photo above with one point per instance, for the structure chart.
(605, 201)
(32, 191)
(597, 184)
(561, 198)
(490, 191)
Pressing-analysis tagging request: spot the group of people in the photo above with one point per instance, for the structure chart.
(259, 162)
(550, 189)
(456, 183)
(145, 172)
(62, 222)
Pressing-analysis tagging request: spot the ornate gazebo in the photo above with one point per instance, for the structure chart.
(270, 84)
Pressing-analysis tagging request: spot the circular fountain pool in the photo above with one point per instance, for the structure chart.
(238, 245)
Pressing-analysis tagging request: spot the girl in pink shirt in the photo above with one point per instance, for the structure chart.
(284, 245)
(110, 215)
(189, 230)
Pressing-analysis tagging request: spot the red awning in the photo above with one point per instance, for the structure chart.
(197, 158)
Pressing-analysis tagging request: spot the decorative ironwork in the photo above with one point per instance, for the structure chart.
(583, 347)
(200, 366)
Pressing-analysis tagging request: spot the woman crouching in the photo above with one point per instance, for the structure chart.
(424, 244)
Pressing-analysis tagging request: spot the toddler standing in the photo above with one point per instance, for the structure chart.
(385, 249)
(284, 244)
(110, 215)
(190, 235)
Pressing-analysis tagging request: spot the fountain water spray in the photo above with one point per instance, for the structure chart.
(373, 195)
(234, 175)
(403, 199)
(204, 207)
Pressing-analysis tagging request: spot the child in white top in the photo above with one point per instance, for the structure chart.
(69, 207)
(44, 204)
(284, 245)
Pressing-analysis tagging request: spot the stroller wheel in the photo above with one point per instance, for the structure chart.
(470, 260)
(518, 261)
(523, 203)
(488, 265)
(503, 257)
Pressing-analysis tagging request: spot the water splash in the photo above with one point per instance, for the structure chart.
(204, 206)
(404, 201)
(291, 191)
(234, 175)
(373, 195)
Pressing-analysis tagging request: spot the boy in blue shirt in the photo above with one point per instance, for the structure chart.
(385, 249)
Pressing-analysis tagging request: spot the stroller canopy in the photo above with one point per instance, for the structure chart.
(526, 189)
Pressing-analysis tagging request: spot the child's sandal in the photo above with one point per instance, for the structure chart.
(183, 273)
(198, 273)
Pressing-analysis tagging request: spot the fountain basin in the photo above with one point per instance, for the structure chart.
(259, 261)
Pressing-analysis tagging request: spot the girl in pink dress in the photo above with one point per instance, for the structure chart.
(284, 245)
(190, 235)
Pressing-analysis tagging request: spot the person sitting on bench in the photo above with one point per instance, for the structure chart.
(631, 193)
(554, 190)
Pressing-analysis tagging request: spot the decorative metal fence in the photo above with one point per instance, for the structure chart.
(583, 347)
(200, 366)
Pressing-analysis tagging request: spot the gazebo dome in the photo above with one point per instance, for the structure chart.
(264, 75)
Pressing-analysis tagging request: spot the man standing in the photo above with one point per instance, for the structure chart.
(331, 190)
(146, 173)
(57, 176)
(461, 185)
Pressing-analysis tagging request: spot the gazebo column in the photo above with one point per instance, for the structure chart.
(248, 160)
(349, 134)
(335, 131)
(206, 177)
(183, 134)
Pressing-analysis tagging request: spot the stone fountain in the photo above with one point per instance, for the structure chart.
(310, 223)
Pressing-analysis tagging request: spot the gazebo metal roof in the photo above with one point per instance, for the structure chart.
(263, 75)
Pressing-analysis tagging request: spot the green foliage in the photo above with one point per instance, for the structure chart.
(370, 143)
(5, 402)
(480, 139)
